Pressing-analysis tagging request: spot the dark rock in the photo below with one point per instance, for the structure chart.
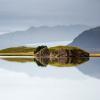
(42, 51)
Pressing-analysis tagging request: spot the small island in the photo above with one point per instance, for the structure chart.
(59, 56)
(44, 51)
(59, 51)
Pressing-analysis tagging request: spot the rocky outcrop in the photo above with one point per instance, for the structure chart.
(67, 51)
(60, 51)
(78, 53)
(42, 51)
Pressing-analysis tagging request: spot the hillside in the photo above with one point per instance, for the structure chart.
(41, 34)
(21, 49)
(17, 51)
(88, 40)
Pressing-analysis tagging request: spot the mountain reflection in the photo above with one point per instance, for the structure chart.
(57, 62)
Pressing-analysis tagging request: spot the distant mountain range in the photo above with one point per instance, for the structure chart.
(88, 40)
(41, 35)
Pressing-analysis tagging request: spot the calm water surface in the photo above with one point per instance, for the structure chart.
(28, 79)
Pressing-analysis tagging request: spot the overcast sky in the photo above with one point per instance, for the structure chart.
(49, 12)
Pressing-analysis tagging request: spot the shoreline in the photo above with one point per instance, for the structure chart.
(94, 55)
(31, 54)
(17, 54)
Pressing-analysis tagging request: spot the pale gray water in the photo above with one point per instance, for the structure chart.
(27, 81)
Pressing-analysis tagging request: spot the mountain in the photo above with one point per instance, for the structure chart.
(91, 68)
(41, 35)
(88, 40)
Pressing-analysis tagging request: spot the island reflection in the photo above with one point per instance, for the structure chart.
(57, 61)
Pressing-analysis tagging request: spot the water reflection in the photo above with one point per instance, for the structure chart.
(90, 67)
(57, 62)
(60, 61)
(19, 60)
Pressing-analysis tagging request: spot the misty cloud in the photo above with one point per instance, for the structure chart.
(49, 12)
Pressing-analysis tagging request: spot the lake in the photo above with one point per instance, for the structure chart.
(26, 78)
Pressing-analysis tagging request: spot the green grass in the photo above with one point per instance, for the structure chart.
(64, 47)
(31, 49)
(21, 49)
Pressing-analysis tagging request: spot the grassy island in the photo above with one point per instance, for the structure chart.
(44, 51)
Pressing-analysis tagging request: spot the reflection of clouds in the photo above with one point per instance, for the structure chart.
(33, 70)
(28, 66)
